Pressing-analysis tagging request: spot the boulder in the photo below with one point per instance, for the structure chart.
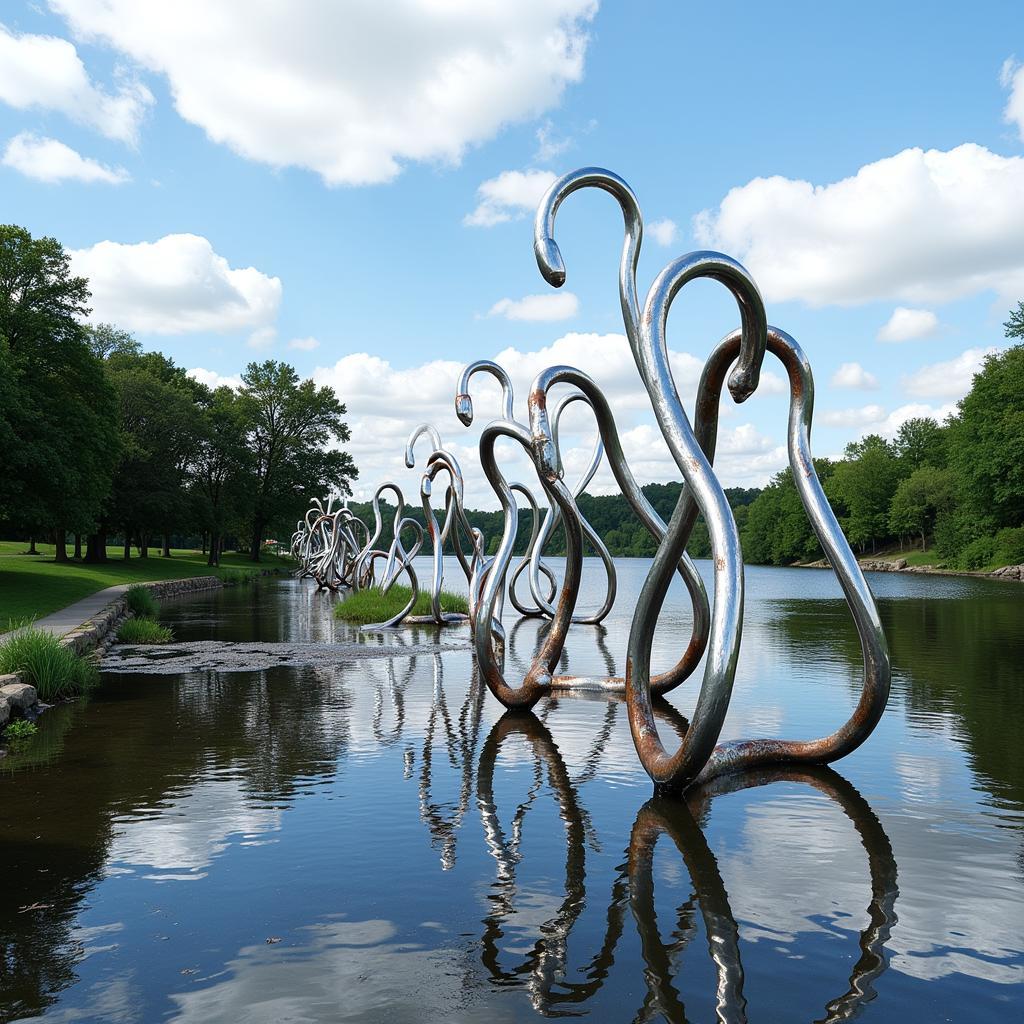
(5, 711)
(19, 695)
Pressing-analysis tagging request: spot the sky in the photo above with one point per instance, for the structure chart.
(349, 186)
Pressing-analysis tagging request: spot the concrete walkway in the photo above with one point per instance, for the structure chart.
(75, 614)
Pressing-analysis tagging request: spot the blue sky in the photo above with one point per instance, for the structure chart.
(338, 152)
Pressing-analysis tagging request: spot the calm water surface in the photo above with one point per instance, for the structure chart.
(374, 841)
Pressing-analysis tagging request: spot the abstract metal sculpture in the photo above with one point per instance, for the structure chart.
(698, 756)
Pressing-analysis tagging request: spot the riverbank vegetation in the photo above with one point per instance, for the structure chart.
(102, 440)
(32, 586)
(371, 605)
(143, 630)
(42, 661)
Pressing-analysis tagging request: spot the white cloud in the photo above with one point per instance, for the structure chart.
(262, 338)
(349, 91)
(175, 285)
(509, 196)
(876, 419)
(1012, 77)
(864, 416)
(908, 324)
(212, 379)
(384, 403)
(855, 377)
(45, 72)
(548, 145)
(51, 161)
(919, 227)
(949, 379)
(304, 344)
(545, 307)
(664, 232)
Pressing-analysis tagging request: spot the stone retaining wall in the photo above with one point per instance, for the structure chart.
(17, 697)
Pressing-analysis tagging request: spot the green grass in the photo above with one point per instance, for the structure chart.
(143, 631)
(372, 606)
(55, 671)
(32, 586)
(140, 601)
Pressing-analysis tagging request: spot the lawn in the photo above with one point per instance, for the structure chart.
(32, 586)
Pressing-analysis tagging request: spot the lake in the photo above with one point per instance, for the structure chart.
(372, 840)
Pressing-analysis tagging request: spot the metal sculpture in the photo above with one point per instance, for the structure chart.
(325, 543)
(698, 755)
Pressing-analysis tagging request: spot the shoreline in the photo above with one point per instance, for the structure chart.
(1006, 573)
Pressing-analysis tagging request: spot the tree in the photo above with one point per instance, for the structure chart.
(920, 442)
(776, 530)
(863, 485)
(920, 499)
(288, 425)
(987, 437)
(160, 428)
(220, 461)
(59, 418)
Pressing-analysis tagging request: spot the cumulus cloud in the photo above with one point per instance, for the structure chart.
(920, 226)
(349, 91)
(908, 325)
(51, 161)
(385, 402)
(262, 338)
(510, 196)
(212, 379)
(1012, 78)
(550, 145)
(664, 232)
(855, 377)
(46, 73)
(175, 285)
(546, 307)
(304, 344)
(949, 379)
(876, 419)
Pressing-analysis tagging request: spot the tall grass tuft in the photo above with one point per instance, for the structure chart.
(141, 602)
(143, 631)
(371, 605)
(43, 662)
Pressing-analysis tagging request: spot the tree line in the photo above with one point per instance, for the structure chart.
(957, 486)
(98, 438)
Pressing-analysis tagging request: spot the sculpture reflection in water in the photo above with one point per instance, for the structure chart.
(546, 970)
(717, 629)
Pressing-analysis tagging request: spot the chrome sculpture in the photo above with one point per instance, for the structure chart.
(699, 757)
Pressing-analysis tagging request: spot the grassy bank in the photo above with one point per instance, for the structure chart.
(373, 606)
(32, 586)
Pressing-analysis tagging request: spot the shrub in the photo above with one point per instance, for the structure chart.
(371, 605)
(141, 602)
(978, 554)
(1010, 546)
(43, 662)
(143, 631)
(22, 729)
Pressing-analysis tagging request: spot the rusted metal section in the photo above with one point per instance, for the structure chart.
(692, 447)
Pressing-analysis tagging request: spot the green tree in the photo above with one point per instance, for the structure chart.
(220, 461)
(920, 441)
(59, 419)
(986, 441)
(776, 530)
(920, 499)
(160, 427)
(862, 485)
(289, 425)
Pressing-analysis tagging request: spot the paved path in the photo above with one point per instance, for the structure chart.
(75, 614)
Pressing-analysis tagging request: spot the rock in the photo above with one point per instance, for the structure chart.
(1009, 572)
(19, 695)
(882, 565)
(5, 711)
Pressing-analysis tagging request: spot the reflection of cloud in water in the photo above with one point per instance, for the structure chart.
(800, 870)
(339, 971)
(191, 828)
